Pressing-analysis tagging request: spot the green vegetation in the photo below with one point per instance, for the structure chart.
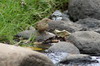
(18, 15)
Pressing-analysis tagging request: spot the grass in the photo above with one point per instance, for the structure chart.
(15, 17)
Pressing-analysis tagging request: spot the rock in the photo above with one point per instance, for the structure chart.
(17, 56)
(77, 58)
(65, 16)
(44, 36)
(28, 33)
(39, 36)
(64, 25)
(58, 16)
(89, 23)
(86, 41)
(63, 47)
(66, 13)
(80, 9)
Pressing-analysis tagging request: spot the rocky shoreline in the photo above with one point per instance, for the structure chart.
(70, 38)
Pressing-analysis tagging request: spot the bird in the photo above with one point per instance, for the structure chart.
(42, 25)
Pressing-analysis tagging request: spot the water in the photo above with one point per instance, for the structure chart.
(58, 56)
(82, 64)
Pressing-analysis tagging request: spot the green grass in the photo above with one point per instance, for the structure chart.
(15, 18)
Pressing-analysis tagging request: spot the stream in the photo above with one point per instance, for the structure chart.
(57, 57)
(83, 64)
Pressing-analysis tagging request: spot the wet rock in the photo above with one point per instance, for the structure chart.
(89, 23)
(64, 47)
(86, 41)
(64, 25)
(80, 9)
(17, 56)
(78, 58)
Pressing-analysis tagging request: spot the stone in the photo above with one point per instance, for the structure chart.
(66, 13)
(78, 58)
(57, 15)
(64, 47)
(17, 56)
(64, 25)
(89, 23)
(39, 36)
(44, 36)
(28, 33)
(86, 41)
(80, 9)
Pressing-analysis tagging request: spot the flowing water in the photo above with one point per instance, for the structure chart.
(58, 56)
